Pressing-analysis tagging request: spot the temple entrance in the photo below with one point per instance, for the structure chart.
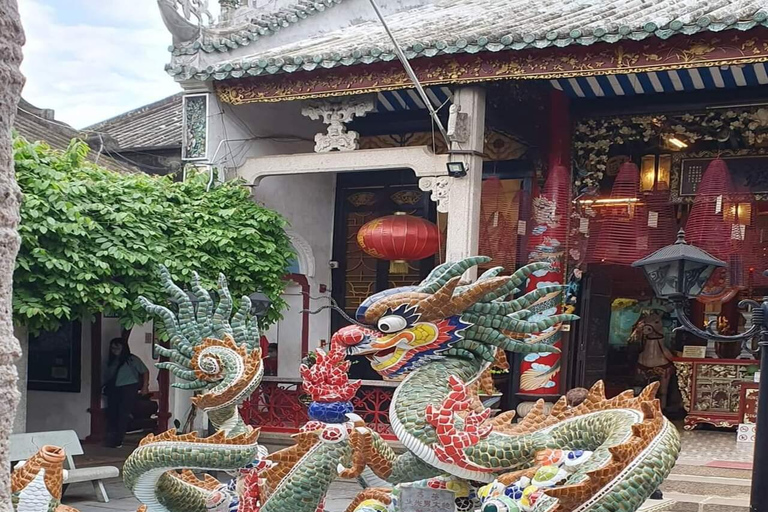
(360, 198)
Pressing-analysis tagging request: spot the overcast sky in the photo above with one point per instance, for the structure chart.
(90, 60)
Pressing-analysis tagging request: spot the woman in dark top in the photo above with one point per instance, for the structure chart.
(125, 377)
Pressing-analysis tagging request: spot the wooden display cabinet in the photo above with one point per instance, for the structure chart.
(711, 389)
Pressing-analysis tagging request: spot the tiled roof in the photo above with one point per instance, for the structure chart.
(471, 26)
(155, 125)
(35, 124)
(259, 25)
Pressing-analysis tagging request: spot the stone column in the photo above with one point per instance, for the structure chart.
(468, 134)
(11, 81)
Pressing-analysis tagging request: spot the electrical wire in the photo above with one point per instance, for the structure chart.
(120, 156)
(409, 71)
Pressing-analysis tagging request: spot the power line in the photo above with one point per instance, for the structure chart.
(409, 71)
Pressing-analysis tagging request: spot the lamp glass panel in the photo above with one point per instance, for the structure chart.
(259, 304)
(696, 276)
(647, 173)
(662, 173)
(663, 278)
(744, 214)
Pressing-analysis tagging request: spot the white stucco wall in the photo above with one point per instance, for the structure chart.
(306, 201)
(51, 410)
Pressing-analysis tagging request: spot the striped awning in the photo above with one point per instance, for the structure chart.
(697, 79)
(409, 99)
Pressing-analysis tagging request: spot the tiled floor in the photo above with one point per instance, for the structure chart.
(698, 449)
(82, 497)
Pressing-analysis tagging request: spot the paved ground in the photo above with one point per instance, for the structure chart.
(82, 497)
(694, 475)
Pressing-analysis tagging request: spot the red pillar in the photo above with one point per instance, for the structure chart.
(540, 373)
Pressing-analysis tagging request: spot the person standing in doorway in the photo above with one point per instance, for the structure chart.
(126, 376)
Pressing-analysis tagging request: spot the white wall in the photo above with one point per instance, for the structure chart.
(306, 201)
(287, 333)
(51, 410)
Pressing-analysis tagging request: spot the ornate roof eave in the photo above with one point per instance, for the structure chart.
(224, 39)
(681, 52)
(276, 64)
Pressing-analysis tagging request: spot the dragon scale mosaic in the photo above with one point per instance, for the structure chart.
(602, 455)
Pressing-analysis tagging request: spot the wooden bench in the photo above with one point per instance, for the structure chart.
(24, 446)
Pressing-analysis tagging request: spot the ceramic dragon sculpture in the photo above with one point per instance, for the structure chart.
(604, 455)
(220, 360)
(442, 335)
(36, 483)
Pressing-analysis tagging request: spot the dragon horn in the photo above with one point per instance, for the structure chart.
(223, 309)
(445, 272)
(240, 322)
(186, 316)
(204, 306)
(523, 272)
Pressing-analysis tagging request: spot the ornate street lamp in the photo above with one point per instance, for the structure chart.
(259, 304)
(678, 272)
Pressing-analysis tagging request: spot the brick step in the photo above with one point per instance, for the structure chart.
(701, 470)
(722, 487)
(706, 503)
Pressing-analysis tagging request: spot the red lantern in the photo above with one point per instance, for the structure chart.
(399, 238)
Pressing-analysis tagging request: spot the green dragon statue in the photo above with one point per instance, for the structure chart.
(603, 455)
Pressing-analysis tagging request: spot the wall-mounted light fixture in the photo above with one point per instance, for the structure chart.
(654, 172)
(677, 143)
(456, 169)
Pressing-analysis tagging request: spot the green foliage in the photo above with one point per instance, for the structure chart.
(92, 239)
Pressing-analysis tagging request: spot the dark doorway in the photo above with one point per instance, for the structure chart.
(360, 198)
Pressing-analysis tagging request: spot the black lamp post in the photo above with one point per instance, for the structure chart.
(678, 272)
(259, 304)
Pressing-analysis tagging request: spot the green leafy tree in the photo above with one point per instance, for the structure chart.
(92, 239)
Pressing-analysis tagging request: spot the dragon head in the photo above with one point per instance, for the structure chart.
(404, 328)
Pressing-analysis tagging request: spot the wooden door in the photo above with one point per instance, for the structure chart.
(362, 197)
(593, 330)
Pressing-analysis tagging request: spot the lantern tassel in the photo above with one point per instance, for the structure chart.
(398, 267)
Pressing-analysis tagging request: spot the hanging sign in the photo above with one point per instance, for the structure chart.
(719, 204)
(653, 219)
(522, 227)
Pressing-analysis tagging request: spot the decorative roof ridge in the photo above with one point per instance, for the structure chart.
(102, 126)
(585, 37)
(226, 39)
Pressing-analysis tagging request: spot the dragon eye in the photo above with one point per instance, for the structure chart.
(392, 323)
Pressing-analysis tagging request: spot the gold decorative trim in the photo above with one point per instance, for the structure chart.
(680, 52)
